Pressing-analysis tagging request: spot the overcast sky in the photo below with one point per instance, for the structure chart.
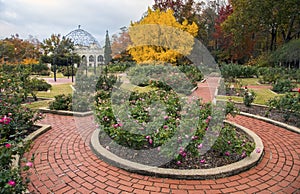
(41, 18)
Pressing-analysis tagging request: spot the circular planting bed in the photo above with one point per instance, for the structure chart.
(246, 163)
(167, 134)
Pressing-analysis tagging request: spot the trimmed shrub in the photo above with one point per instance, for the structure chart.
(288, 104)
(62, 102)
(283, 86)
(40, 69)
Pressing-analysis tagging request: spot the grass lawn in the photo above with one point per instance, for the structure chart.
(56, 90)
(250, 81)
(262, 96)
(39, 104)
(131, 87)
(58, 75)
(234, 98)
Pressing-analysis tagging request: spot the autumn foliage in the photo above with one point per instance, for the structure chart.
(159, 37)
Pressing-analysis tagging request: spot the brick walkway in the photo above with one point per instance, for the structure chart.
(64, 163)
(58, 80)
(207, 89)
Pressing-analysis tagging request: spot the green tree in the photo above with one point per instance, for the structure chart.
(59, 52)
(268, 22)
(107, 50)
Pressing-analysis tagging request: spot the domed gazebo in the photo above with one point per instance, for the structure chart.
(87, 47)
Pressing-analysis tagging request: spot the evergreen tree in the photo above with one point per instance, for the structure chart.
(107, 50)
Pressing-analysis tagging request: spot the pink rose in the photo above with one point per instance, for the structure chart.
(29, 164)
(12, 183)
(7, 145)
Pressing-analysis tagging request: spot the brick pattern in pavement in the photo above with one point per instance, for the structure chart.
(64, 163)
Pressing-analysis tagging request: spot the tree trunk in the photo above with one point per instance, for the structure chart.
(273, 39)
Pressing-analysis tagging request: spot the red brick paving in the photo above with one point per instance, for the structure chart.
(64, 163)
(206, 90)
(58, 80)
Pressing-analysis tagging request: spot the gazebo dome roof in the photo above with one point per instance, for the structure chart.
(81, 37)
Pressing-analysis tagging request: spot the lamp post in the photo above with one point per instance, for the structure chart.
(72, 67)
(54, 63)
(86, 66)
(95, 59)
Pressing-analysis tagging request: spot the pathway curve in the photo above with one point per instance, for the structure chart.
(64, 163)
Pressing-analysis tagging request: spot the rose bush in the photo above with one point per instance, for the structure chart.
(15, 123)
(149, 120)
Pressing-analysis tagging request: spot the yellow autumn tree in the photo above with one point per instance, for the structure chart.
(159, 37)
(29, 61)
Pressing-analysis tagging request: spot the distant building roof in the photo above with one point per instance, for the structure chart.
(81, 37)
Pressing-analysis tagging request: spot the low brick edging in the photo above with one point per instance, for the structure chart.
(201, 174)
(66, 113)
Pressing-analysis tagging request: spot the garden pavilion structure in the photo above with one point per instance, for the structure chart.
(87, 47)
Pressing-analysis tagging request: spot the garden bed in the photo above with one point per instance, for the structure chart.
(212, 158)
(215, 167)
(274, 114)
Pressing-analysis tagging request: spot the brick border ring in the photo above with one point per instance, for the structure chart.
(202, 174)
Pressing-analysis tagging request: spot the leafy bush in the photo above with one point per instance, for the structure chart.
(106, 82)
(119, 67)
(79, 102)
(232, 71)
(11, 180)
(191, 72)
(166, 77)
(149, 120)
(62, 102)
(271, 75)
(288, 104)
(248, 97)
(15, 122)
(283, 86)
(101, 95)
(39, 85)
(295, 75)
(20, 120)
(40, 69)
(16, 84)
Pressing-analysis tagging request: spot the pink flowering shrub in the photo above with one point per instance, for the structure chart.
(10, 177)
(15, 122)
(158, 118)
